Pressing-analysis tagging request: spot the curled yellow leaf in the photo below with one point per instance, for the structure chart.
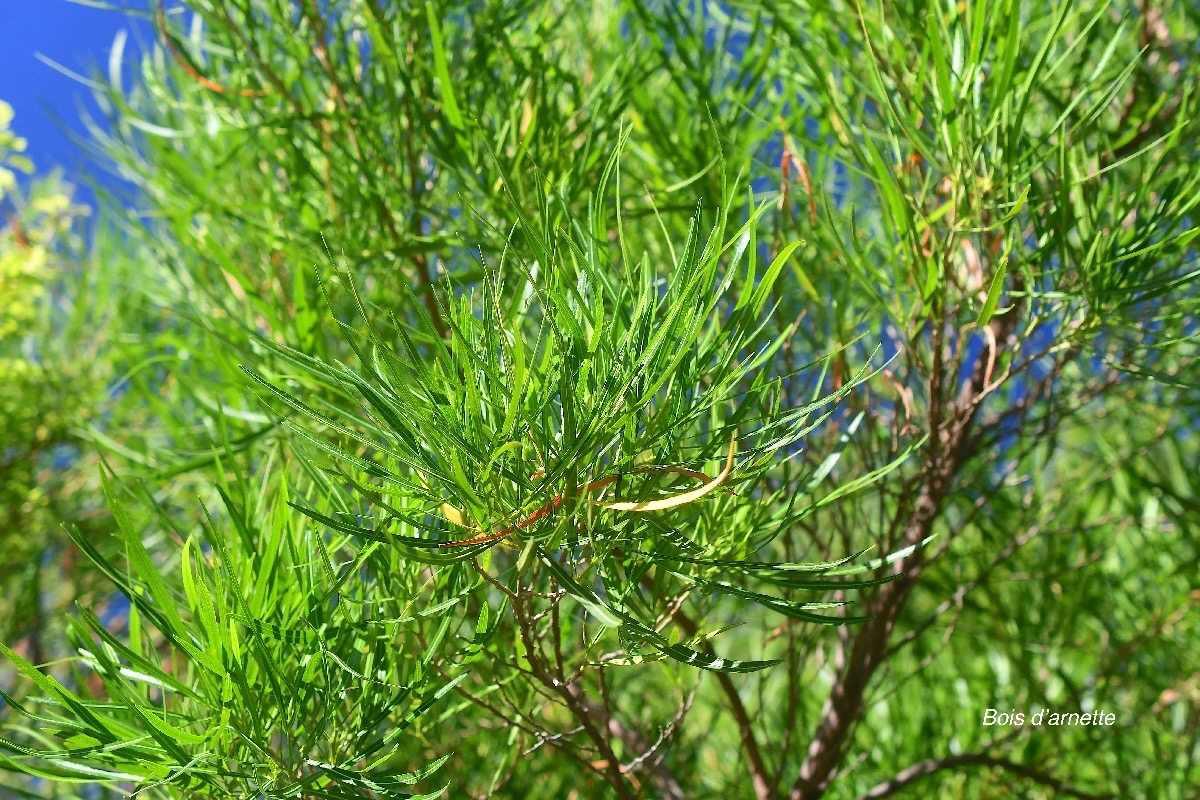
(710, 484)
(450, 512)
(453, 514)
(682, 499)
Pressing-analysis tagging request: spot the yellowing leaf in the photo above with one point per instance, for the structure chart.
(453, 514)
(684, 498)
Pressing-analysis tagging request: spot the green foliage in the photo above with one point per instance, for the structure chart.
(516, 425)
(44, 392)
(215, 692)
(844, 351)
(11, 147)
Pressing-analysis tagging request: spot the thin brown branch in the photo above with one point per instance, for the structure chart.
(18, 230)
(160, 20)
(1154, 38)
(608, 766)
(759, 777)
(951, 422)
(419, 259)
(932, 766)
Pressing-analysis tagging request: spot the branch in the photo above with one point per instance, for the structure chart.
(758, 768)
(960, 592)
(951, 423)
(160, 20)
(609, 766)
(1154, 37)
(658, 773)
(931, 766)
(18, 230)
(414, 225)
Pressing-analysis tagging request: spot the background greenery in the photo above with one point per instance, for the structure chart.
(803, 380)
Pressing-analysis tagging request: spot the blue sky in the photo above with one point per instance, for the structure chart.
(78, 37)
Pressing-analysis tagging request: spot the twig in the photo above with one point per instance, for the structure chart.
(759, 777)
(160, 20)
(609, 766)
(934, 765)
(18, 230)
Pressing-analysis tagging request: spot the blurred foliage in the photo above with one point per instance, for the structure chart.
(42, 396)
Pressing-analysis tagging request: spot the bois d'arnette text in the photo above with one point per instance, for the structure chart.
(1045, 717)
